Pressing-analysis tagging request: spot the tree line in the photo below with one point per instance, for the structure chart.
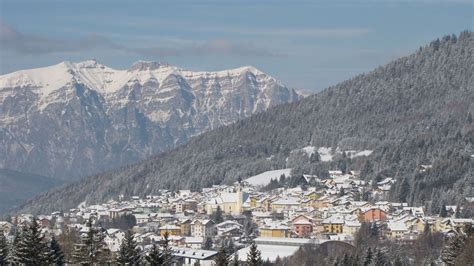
(31, 246)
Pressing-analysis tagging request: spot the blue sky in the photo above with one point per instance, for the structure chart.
(306, 44)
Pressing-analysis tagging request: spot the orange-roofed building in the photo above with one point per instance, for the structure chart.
(373, 214)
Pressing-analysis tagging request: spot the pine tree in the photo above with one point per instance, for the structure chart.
(443, 212)
(404, 191)
(342, 192)
(356, 260)
(222, 259)
(455, 246)
(346, 260)
(3, 249)
(254, 257)
(235, 261)
(154, 257)
(208, 243)
(282, 180)
(55, 256)
(31, 247)
(166, 250)
(278, 261)
(368, 257)
(229, 246)
(91, 249)
(380, 258)
(217, 215)
(398, 262)
(129, 254)
(457, 214)
(12, 258)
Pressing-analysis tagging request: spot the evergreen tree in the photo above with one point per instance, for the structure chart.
(167, 254)
(208, 243)
(254, 257)
(55, 256)
(455, 246)
(222, 258)
(14, 247)
(31, 247)
(154, 257)
(443, 212)
(457, 214)
(235, 261)
(346, 260)
(374, 231)
(426, 229)
(91, 249)
(129, 254)
(282, 180)
(368, 257)
(217, 216)
(404, 191)
(356, 260)
(229, 246)
(342, 192)
(380, 258)
(398, 262)
(278, 261)
(3, 249)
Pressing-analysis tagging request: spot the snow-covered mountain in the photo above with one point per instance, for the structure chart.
(74, 119)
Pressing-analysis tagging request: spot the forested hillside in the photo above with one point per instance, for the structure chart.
(414, 111)
(16, 187)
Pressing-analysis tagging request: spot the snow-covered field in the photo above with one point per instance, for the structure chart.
(265, 177)
(326, 154)
(270, 252)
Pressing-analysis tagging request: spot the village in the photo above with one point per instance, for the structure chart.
(279, 220)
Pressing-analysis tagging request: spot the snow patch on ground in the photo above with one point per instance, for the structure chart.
(326, 154)
(271, 252)
(264, 178)
(309, 150)
(354, 153)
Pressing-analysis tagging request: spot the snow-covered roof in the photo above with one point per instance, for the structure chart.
(397, 226)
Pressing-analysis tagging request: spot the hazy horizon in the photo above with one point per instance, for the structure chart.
(306, 45)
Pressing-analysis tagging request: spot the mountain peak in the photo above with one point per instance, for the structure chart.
(90, 63)
(147, 65)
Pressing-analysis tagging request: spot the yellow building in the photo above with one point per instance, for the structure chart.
(185, 227)
(171, 229)
(321, 203)
(333, 224)
(253, 202)
(396, 230)
(351, 227)
(275, 231)
(313, 195)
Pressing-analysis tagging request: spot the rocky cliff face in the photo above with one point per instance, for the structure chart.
(75, 119)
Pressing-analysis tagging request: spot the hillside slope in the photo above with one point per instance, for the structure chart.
(17, 187)
(71, 120)
(415, 110)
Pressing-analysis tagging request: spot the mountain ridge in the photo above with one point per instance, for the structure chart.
(75, 119)
(412, 111)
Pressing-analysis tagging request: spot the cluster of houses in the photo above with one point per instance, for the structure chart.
(279, 221)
